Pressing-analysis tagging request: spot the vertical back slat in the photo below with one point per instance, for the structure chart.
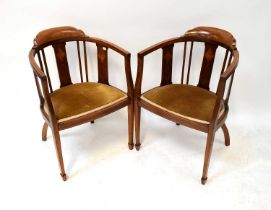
(47, 70)
(224, 61)
(102, 56)
(167, 65)
(62, 64)
(231, 80)
(86, 60)
(40, 61)
(189, 63)
(39, 90)
(184, 57)
(207, 65)
(229, 61)
(79, 59)
(229, 89)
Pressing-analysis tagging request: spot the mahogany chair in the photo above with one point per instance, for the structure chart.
(72, 103)
(194, 106)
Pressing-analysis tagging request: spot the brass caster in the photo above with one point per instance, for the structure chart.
(64, 177)
(177, 123)
(137, 146)
(131, 146)
(92, 121)
(203, 180)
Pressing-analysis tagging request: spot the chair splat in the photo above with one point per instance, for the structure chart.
(102, 56)
(207, 65)
(62, 64)
(167, 65)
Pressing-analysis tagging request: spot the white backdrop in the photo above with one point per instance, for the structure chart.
(166, 172)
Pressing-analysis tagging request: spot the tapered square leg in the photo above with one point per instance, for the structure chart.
(131, 125)
(137, 125)
(208, 152)
(44, 131)
(59, 153)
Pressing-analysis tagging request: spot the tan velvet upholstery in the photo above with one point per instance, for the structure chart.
(212, 33)
(56, 33)
(78, 99)
(188, 101)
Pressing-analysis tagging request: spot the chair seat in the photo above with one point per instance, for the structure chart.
(187, 101)
(76, 100)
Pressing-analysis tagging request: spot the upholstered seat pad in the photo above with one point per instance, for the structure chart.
(78, 99)
(188, 101)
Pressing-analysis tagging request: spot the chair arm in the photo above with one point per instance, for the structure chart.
(140, 60)
(36, 69)
(128, 73)
(43, 91)
(222, 84)
(231, 68)
(138, 83)
(108, 44)
(158, 46)
(227, 74)
(127, 60)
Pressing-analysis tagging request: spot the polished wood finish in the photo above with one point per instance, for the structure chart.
(189, 63)
(131, 125)
(137, 125)
(207, 156)
(57, 38)
(184, 57)
(46, 70)
(212, 38)
(226, 134)
(86, 60)
(62, 64)
(102, 64)
(167, 65)
(44, 131)
(79, 60)
(207, 65)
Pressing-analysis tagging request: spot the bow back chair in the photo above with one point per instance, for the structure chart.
(194, 106)
(72, 103)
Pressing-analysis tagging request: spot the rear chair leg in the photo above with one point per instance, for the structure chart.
(59, 153)
(208, 151)
(226, 134)
(131, 125)
(44, 131)
(137, 125)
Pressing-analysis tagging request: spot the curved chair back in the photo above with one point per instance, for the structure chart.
(57, 39)
(212, 38)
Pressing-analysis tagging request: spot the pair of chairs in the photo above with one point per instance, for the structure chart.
(194, 106)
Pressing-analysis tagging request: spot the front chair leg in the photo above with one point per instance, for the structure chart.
(131, 125)
(59, 153)
(226, 134)
(44, 131)
(137, 125)
(208, 151)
